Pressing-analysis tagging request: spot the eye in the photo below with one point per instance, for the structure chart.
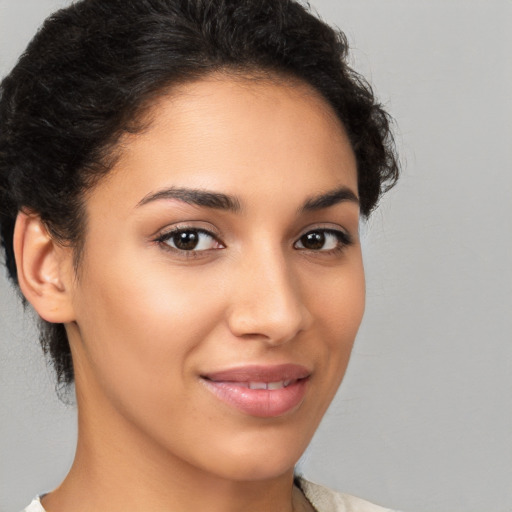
(190, 239)
(323, 240)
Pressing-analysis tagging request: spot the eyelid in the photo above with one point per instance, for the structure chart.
(326, 227)
(191, 225)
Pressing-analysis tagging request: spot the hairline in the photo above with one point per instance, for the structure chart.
(143, 119)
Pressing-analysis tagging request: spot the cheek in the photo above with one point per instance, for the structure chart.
(338, 299)
(338, 308)
(140, 322)
(345, 307)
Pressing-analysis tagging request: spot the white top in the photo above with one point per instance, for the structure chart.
(35, 506)
(327, 500)
(322, 499)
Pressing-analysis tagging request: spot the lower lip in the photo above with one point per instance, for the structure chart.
(262, 403)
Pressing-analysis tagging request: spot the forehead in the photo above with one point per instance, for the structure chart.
(238, 135)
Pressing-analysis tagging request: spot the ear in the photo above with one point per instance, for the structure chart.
(45, 269)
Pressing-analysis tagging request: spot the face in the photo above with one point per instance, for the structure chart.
(222, 285)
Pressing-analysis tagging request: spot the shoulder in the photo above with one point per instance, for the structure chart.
(327, 500)
(35, 506)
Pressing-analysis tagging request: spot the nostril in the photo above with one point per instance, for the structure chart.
(274, 327)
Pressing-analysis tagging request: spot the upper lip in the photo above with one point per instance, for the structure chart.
(260, 373)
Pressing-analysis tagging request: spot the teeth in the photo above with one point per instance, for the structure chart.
(270, 385)
(262, 385)
(257, 385)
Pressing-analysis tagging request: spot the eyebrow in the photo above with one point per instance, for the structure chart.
(197, 197)
(220, 201)
(329, 199)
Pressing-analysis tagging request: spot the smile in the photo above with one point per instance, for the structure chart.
(260, 391)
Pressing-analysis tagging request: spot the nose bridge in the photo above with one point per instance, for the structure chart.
(268, 300)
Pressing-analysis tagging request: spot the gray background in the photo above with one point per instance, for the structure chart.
(423, 421)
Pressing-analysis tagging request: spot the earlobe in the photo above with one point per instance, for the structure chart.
(44, 269)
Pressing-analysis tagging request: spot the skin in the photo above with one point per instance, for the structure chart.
(145, 321)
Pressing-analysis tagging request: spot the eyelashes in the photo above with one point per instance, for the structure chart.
(188, 241)
(324, 240)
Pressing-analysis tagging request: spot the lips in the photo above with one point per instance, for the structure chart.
(261, 391)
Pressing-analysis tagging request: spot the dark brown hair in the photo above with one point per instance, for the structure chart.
(92, 67)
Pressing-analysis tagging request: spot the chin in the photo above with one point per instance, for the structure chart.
(260, 470)
(260, 459)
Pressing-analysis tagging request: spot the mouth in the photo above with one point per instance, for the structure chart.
(260, 391)
(265, 385)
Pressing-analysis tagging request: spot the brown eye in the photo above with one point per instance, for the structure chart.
(314, 240)
(323, 240)
(190, 240)
(185, 240)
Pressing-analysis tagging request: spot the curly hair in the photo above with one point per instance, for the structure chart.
(91, 70)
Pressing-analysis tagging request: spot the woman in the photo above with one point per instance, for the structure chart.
(181, 187)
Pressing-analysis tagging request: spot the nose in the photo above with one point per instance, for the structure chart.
(266, 299)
